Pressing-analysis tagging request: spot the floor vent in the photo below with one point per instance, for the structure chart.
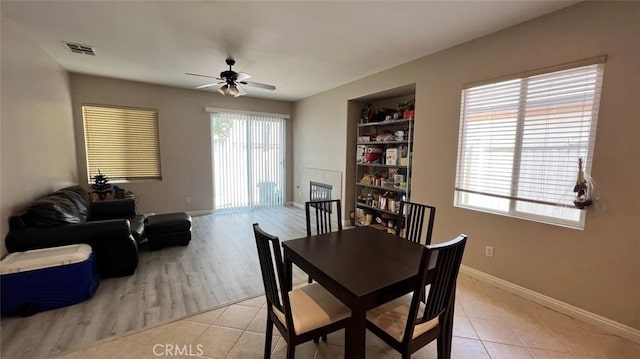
(80, 49)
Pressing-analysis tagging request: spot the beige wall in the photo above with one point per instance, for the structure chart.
(598, 268)
(185, 141)
(38, 149)
(319, 143)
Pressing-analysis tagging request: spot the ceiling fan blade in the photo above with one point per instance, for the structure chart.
(208, 85)
(211, 77)
(241, 76)
(256, 84)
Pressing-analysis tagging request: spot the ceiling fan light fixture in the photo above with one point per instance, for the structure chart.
(233, 90)
(230, 80)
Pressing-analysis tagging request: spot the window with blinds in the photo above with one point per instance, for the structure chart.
(122, 142)
(520, 141)
(249, 159)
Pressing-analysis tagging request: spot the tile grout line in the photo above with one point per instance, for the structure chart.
(209, 326)
(569, 350)
(524, 345)
(476, 330)
(243, 330)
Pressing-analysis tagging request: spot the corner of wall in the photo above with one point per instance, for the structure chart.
(37, 146)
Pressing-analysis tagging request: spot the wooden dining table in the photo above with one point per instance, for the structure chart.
(363, 267)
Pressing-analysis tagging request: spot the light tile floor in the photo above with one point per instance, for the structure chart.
(489, 323)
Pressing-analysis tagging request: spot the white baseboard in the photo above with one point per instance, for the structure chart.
(599, 321)
(296, 204)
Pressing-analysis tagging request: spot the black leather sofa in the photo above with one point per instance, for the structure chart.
(112, 228)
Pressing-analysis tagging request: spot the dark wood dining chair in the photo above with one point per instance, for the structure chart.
(302, 314)
(323, 212)
(410, 221)
(406, 323)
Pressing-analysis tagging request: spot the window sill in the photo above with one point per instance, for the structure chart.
(579, 225)
(130, 181)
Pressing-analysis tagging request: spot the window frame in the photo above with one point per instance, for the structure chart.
(253, 121)
(155, 132)
(462, 196)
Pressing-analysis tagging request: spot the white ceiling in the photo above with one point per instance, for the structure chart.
(301, 47)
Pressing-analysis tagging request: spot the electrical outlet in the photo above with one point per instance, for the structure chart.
(488, 251)
(187, 199)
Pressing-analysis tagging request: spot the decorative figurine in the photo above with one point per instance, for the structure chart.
(582, 189)
(101, 186)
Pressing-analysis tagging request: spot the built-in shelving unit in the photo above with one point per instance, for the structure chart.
(384, 148)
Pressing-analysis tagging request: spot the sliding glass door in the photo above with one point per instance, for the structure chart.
(248, 160)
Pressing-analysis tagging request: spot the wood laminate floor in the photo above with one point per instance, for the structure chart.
(219, 266)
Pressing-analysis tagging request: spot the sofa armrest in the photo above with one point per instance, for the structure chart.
(112, 209)
(116, 250)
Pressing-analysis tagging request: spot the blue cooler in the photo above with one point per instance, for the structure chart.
(47, 278)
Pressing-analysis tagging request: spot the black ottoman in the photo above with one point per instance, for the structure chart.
(163, 230)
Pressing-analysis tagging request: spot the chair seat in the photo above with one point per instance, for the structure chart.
(392, 318)
(313, 307)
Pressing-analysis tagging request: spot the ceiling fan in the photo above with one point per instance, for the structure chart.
(231, 81)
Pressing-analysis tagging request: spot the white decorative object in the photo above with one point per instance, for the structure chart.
(391, 156)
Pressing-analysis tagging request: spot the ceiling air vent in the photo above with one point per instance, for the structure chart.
(80, 49)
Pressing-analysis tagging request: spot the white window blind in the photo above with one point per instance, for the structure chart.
(248, 160)
(520, 141)
(122, 142)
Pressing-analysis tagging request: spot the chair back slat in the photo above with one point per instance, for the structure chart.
(272, 268)
(440, 262)
(323, 211)
(448, 257)
(414, 223)
(319, 191)
(411, 218)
